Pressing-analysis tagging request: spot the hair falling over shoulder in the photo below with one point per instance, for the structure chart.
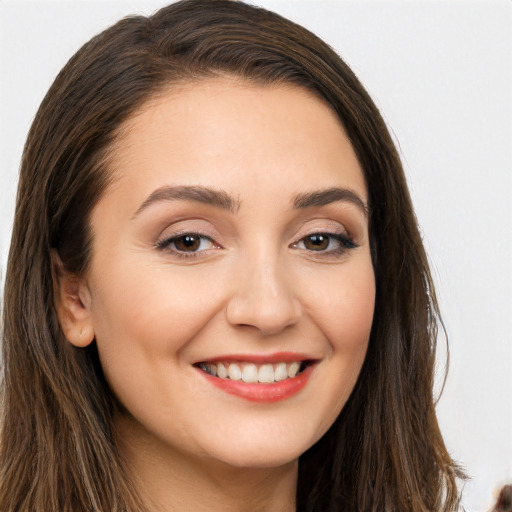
(58, 448)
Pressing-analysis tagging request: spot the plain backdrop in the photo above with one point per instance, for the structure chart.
(441, 72)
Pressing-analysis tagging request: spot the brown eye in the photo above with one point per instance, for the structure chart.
(317, 242)
(187, 243)
(326, 244)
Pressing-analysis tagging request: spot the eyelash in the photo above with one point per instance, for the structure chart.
(167, 243)
(345, 243)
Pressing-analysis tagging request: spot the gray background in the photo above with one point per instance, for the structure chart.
(441, 71)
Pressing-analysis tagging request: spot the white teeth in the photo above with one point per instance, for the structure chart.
(266, 373)
(293, 369)
(234, 372)
(221, 371)
(280, 372)
(250, 373)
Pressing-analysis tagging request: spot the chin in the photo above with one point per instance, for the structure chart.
(261, 453)
(257, 460)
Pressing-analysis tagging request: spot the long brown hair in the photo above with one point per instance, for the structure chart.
(58, 444)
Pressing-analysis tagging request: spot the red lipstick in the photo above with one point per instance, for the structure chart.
(273, 391)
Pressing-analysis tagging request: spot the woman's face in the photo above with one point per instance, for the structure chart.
(231, 289)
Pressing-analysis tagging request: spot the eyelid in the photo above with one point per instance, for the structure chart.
(168, 234)
(322, 225)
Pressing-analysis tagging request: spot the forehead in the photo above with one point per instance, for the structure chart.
(222, 132)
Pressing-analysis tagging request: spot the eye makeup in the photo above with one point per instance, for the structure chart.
(325, 244)
(320, 235)
(187, 244)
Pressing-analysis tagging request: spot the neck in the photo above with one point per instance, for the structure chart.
(168, 480)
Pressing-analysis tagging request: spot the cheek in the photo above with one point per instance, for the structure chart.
(143, 321)
(151, 311)
(347, 322)
(341, 306)
(344, 305)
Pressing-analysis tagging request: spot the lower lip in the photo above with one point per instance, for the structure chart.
(262, 392)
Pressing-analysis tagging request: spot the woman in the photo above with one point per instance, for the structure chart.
(217, 297)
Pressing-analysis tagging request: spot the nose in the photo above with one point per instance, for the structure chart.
(264, 297)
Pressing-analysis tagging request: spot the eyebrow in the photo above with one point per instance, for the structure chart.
(218, 198)
(328, 196)
(221, 199)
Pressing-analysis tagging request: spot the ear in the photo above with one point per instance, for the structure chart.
(72, 301)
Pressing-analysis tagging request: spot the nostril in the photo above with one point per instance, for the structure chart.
(264, 296)
(268, 320)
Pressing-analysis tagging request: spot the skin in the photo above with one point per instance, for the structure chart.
(255, 286)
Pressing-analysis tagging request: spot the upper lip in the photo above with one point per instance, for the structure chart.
(276, 357)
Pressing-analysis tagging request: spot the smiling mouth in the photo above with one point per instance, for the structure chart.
(247, 372)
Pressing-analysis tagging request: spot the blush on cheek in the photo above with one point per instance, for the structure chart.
(347, 315)
(157, 310)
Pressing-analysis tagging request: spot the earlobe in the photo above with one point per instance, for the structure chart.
(72, 302)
